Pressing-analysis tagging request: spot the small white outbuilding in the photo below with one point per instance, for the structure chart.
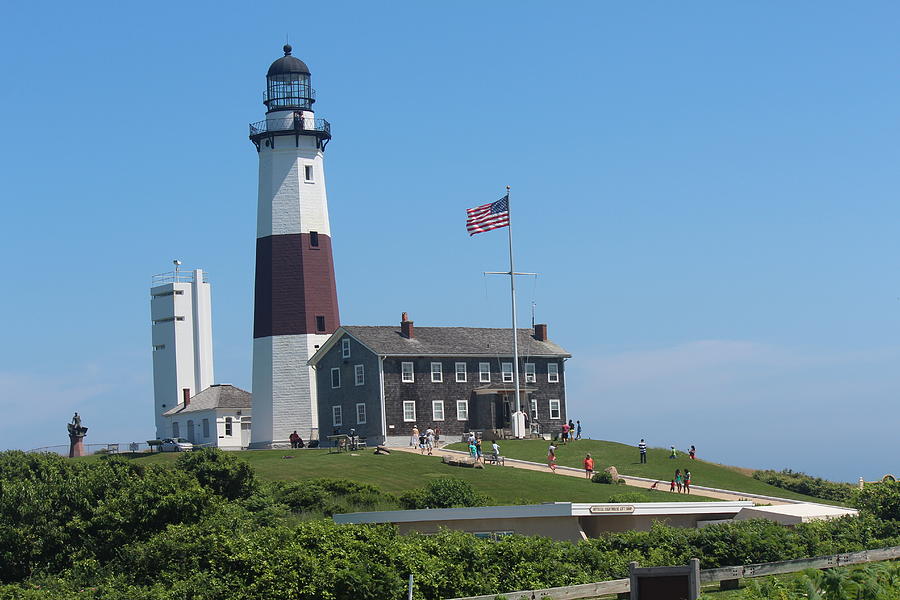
(219, 417)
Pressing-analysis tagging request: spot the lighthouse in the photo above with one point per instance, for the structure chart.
(295, 303)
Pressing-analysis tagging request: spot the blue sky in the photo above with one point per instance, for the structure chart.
(708, 191)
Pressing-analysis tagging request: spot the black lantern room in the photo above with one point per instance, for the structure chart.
(288, 84)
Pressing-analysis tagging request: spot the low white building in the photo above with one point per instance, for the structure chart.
(565, 521)
(219, 417)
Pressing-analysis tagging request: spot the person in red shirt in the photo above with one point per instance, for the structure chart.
(588, 466)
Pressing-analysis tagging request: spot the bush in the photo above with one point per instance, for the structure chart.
(603, 477)
(331, 496)
(444, 493)
(881, 500)
(222, 472)
(806, 484)
(626, 498)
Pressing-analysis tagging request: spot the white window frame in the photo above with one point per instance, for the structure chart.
(359, 374)
(506, 371)
(435, 405)
(409, 417)
(462, 410)
(361, 421)
(534, 409)
(462, 372)
(553, 372)
(554, 402)
(337, 416)
(229, 425)
(309, 173)
(333, 371)
(530, 373)
(345, 348)
(484, 372)
(407, 372)
(439, 372)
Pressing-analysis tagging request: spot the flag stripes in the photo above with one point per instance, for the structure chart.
(488, 216)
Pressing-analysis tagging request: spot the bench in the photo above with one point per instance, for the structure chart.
(494, 460)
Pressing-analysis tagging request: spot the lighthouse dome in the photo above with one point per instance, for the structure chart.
(288, 64)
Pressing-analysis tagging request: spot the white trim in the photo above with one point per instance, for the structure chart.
(506, 369)
(439, 372)
(530, 373)
(464, 372)
(364, 415)
(534, 408)
(463, 403)
(434, 405)
(345, 348)
(413, 404)
(482, 372)
(554, 509)
(309, 173)
(337, 416)
(403, 373)
(359, 374)
(558, 409)
(552, 373)
(333, 371)
(381, 397)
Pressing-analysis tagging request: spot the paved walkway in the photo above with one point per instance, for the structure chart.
(640, 482)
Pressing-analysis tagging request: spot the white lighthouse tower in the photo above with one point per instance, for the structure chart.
(181, 314)
(295, 307)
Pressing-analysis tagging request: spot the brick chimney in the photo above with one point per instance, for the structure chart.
(406, 326)
(540, 332)
(186, 393)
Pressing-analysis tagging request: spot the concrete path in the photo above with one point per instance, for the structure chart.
(640, 482)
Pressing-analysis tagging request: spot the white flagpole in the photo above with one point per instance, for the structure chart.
(515, 331)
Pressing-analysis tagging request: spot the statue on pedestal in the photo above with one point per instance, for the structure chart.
(76, 437)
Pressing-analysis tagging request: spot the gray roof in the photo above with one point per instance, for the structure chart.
(451, 341)
(215, 396)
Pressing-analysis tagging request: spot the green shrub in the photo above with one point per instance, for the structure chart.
(331, 496)
(626, 498)
(222, 472)
(603, 477)
(444, 492)
(806, 484)
(880, 499)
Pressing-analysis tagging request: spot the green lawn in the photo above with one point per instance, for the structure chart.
(401, 471)
(659, 466)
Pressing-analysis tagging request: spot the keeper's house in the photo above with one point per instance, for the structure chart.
(383, 381)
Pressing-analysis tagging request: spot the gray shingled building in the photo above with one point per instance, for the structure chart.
(383, 380)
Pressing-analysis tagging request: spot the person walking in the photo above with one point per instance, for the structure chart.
(643, 449)
(588, 466)
(673, 453)
(565, 433)
(693, 453)
(551, 457)
(577, 430)
(429, 440)
(672, 486)
(414, 437)
(496, 451)
(678, 480)
(687, 482)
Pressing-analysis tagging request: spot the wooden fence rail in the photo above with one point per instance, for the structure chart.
(722, 574)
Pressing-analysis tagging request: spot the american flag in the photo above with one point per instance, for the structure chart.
(488, 216)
